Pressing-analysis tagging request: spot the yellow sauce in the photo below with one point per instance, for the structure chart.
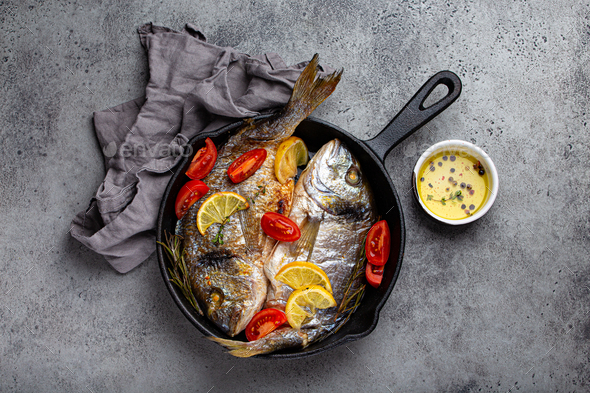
(451, 186)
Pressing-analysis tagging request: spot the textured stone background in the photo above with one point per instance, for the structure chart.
(501, 305)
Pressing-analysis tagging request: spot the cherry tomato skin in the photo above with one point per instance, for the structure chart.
(378, 243)
(204, 161)
(374, 275)
(189, 194)
(245, 165)
(264, 322)
(280, 227)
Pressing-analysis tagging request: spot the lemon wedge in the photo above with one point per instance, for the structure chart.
(301, 274)
(218, 207)
(290, 154)
(307, 298)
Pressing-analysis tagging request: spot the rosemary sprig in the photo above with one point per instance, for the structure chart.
(179, 271)
(218, 240)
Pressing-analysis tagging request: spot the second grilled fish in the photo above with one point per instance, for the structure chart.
(333, 205)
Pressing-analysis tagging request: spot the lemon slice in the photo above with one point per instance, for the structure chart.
(311, 297)
(218, 207)
(301, 274)
(290, 154)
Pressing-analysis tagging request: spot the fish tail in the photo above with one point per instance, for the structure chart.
(239, 349)
(310, 91)
(279, 339)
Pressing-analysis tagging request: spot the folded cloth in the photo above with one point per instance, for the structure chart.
(194, 87)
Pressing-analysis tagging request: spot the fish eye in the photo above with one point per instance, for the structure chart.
(216, 296)
(353, 176)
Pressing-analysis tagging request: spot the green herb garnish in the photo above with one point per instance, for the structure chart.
(179, 271)
(452, 196)
(262, 190)
(218, 240)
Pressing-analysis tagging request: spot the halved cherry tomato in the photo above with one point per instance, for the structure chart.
(189, 194)
(378, 243)
(264, 322)
(246, 164)
(280, 227)
(204, 161)
(374, 275)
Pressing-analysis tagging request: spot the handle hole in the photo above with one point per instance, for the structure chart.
(435, 96)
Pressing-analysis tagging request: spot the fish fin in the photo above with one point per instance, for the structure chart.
(272, 249)
(304, 245)
(310, 91)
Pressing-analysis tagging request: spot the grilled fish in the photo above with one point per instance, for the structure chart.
(334, 207)
(228, 280)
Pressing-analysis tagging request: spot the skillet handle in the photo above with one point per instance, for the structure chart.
(414, 115)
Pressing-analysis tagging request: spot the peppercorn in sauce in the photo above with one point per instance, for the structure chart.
(453, 186)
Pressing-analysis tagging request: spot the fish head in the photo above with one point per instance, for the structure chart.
(224, 307)
(334, 180)
(225, 286)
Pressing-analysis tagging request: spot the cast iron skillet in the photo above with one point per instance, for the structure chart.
(371, 155)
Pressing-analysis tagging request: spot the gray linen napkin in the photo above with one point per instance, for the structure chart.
(194, 87)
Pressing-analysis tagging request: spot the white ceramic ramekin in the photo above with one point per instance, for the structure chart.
(460, 148)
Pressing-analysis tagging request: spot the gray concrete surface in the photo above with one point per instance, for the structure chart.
(501, 305)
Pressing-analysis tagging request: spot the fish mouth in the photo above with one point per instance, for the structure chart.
(227, 319)
(337, 149)
(234, 322)
(333, 147)
(334, 164)
(344, 163)
(336, 154)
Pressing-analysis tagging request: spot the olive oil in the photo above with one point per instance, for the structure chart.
(453, 186)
